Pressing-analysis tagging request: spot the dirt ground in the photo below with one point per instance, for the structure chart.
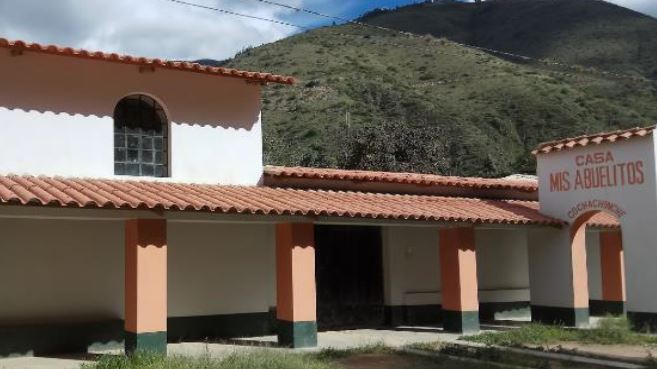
(394, 361)
(633, 353)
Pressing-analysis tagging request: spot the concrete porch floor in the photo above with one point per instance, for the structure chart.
(345, 339)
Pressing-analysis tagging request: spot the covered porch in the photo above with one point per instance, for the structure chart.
(98, 264)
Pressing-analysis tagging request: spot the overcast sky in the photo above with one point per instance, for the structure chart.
(160, 28)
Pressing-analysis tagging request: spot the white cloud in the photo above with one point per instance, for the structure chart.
(645, 6)
(155, 28)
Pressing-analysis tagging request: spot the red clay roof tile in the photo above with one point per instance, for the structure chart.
(403, 178)
(20, 46)
(116, 194)
(594, 139)
(603, 220)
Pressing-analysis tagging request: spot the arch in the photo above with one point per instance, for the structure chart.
(578, 254)
(608, 265)
(141, 137)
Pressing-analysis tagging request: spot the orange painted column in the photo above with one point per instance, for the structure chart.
(579, 271)
(296, 307)
(613, 272)
(146, 285)
(458, 270)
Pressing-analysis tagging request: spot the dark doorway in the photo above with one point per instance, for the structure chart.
(349, 273)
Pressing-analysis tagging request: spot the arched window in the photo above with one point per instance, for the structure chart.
(140, 137)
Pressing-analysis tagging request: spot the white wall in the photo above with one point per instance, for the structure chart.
(593, 264)
(73, 270)
(56, 119)
(502, 265)
(60, 270)
(412, 265)
(221, 268)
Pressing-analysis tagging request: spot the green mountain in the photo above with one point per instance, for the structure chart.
(584, 32)
(378, 100)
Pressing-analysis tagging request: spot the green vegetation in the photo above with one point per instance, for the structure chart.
(611, 331)
(583, 32)
(370, 99)
(254, 360)
(375, 357)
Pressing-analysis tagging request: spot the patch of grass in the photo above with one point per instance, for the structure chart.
(334, 354)
(611, 331)
(253, 360)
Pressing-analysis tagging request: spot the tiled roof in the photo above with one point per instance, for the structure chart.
(116, 194)
(594, 139)
(403, 178)
(20, 46)
(603, 220)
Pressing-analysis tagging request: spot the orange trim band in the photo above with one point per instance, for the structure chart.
(612, 265)
(295, 272)
(458, 269)
(145, 275)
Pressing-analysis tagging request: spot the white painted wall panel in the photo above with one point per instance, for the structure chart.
(221, 268)
(60, 270)
(411, 265)
(207, 154)
(73, 270)
(502, 260)
(56, 144)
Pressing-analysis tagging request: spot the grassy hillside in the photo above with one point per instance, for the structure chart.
(375, 100)
(584, 32)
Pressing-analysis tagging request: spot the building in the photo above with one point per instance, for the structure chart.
(135, 209)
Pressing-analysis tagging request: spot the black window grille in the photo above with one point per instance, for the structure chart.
(140, 138)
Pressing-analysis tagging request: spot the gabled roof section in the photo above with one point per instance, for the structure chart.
(22, 46)
(401, 178)
(594, 139)
(118, 194)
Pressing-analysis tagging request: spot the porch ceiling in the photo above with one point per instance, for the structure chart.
(119, 194)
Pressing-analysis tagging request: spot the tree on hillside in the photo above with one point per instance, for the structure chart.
(397, 147)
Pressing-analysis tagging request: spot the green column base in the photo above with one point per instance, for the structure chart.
(297, 334)
(606, 307)
(155, 342)
(461, 321)
(569, 317)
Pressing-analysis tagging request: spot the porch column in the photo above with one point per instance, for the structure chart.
(458, 270)
(613, 273)
(558, 276)
(296, 306)
(146, 285)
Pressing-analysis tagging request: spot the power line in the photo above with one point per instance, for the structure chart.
(230, 12)
(303, 10)
(323, 15)
(399, 32)
(411, 34)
